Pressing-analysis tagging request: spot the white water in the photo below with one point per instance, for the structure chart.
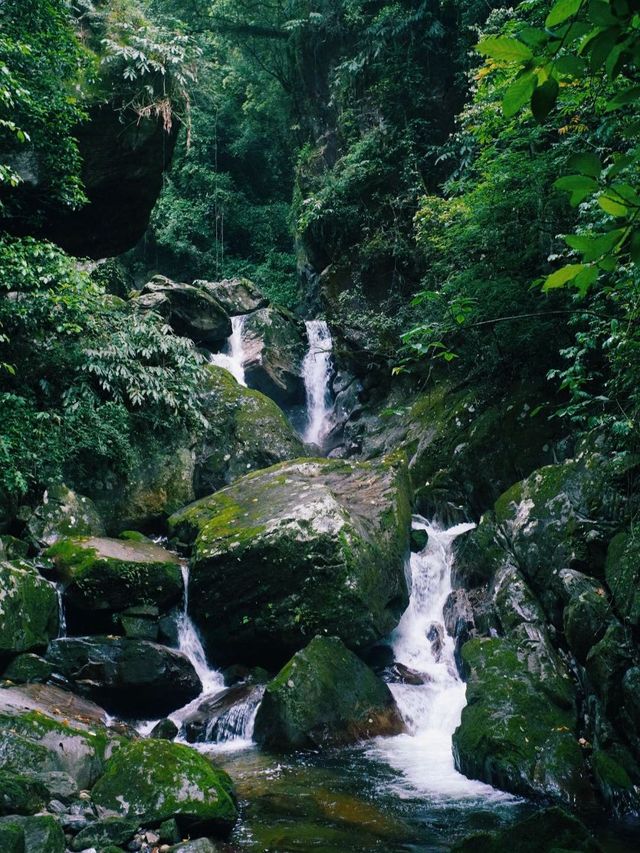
(62, 616)
(232, 358)
(316, 372)
(432, 710)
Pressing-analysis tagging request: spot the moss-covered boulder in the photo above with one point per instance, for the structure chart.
(192, 310)
(275, 346)
(306, 547)
(63, 512)
(622, 571)
(324, 696)
(40, 833)
(28, 668)
(236, 295)
(154, 780)
(247, 431)
(113, 574)
(548, 831)
(109, 831)
(130, 677)
(11, 837)
(513, 733)
(28, 609)
(20, 795)
(587, 613)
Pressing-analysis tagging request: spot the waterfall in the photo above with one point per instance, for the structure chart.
(316, 372)
(432, 709)
(232, 358)
(62, 616)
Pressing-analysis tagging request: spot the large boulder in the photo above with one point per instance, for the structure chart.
(236, 295)
(191, 310)
(274, 347)
(62, 512)
(131, 677)
(324, 696)
(247, 431)
(305, 547)
(516, 734)
(154, 780)
(113, 574)
(33, 834)
(28, 609)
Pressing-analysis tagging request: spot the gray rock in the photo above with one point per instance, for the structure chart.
(275, 347)
(192, 310)
(236, 295)
(63, 512)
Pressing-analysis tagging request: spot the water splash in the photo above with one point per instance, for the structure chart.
(432, 710)
(232, 358)
(316, 372)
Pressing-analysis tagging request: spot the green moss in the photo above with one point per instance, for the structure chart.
(20, 795)
(622, 571)
(610, 773)
(28, 609)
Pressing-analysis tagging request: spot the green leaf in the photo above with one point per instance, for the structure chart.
(628, 96)
(634, 250)
(560, 277)
(518, 94)
(600, 47)
(599, 13)
(585, 164)
(544, 98)
(571, 66)
(585, 279)
(561, 10)
(505, 49)
(580, 186)
(594, 246)
(612, 206)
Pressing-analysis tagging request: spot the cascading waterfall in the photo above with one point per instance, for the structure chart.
(62, 616)
(232, 358)
(432, 709)
(316, 372)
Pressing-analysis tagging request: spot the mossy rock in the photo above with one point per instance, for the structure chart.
(11, 838)
(622, 571)
(20, 795)
(113, 574)
(607, 662)
(41, 833)
(308, 547)
(236, 295)
(28, 609)
(275, 346)
(512, 735)
(587, 613)
(324, 696)
(247, 431)
(548, 831)
(154, 780)
(109, 831)
(28, 668)
(63, 512)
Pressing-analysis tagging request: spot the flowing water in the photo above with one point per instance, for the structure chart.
(316, 372)
(232, 358)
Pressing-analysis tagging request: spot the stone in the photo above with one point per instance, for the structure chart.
(164, 730)
(236, 295)
(129, 677)
(192, 310)
(152, 781)
(223, 715)
(111, 830)
(275, 346)
(61, 513)
(607, 662)
(28, 609)
(247, 431)
(28, 668)
(169, 831)
(586, 614)
(514, 734)
(111, 574)
(41, 833)
(199, 845)
(20, 795)
(11, 838)
(325, 696)
(622, 572)
(306, 547)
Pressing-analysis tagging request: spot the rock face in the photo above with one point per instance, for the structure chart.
(154, 780)
(305, 547)
(191, 310)
(324, 696)
(28, 609)
(132, 677)
(247, 431)
(63, 513)
(236, 295)
(111, 574)
(275, 347)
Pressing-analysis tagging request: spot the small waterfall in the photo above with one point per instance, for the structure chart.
(316, 372)
(432, 709)
(232, 358)
(62, 616)
(237, 722)
(190, 644)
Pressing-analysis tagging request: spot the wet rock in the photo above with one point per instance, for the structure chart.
(223, 716)
(11, 837)
(12, 548)
(607, 663)
(152, 781)
(191, 310)
(28, 668)
(513, 733)
(398, 673)
(41, 833)
(129, 677)
(200, 845)
(247, 431)
(20, 795)
(62, 513)
(275, 347)
(164, 730)
(28, 609)
(544, 832)
(300, 548)
(236, 295)
(622, 571)
(113, 830)
(586, 614)
(435, 636)
(111, 574)
(324, 696)
(419, 539)
(140, 623)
